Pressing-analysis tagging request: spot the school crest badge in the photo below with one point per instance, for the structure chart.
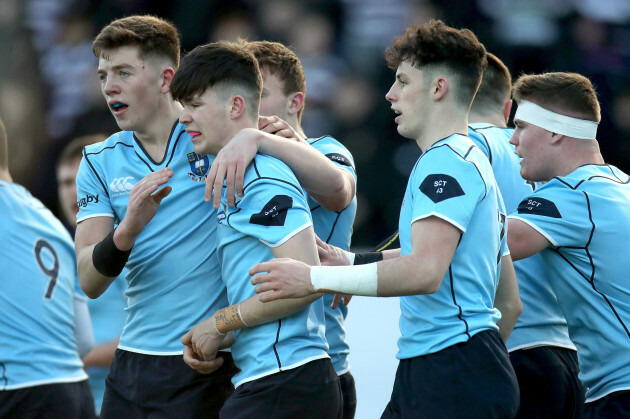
(199, 166)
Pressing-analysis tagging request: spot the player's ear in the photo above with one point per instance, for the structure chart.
(237, 106)
(167, 79)
(296, 102)
(440, 87)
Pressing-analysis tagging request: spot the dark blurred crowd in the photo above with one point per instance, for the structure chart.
(49, 92)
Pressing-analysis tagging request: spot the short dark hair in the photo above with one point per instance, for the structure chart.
(152, 35)
(74, 149)
(570, 94)
(433, 45)
(218, 65)
(495, 87)
(281, 62)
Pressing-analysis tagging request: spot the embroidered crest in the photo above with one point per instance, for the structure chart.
(199, 165)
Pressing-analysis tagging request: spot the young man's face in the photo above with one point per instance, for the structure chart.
(67, 189)
(408, 96)
(533, 145)
(207, 120)
(131, 86)
(273, 100)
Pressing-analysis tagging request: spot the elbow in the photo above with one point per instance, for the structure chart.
(339, 199)
(513, 309)
(91, 292)
(335, 202)
(432, 286)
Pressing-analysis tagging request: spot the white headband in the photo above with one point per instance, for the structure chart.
(555, 122)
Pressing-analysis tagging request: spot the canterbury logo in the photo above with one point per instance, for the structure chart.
(121, 184)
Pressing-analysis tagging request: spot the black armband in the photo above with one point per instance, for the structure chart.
(107, 258)
(367, 257)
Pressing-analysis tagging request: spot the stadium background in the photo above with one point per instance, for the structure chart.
(49, 92)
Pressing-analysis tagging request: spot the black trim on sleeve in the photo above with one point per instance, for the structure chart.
(485, 139)
(434, 147)
(85, 156)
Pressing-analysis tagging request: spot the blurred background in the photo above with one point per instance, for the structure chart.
(49, 91)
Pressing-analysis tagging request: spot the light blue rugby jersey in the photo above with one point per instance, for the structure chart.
(586, 217)
(108, 318)
(453, 180)
(174, 278)
(542, 321)
(272, 209)
(335, 227)
(39, 283)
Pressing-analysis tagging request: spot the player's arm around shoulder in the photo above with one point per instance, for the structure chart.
(316, 173)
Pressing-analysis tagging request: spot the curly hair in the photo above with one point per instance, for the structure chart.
(435, 45)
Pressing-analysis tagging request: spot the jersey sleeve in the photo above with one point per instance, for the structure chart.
(272, 211)
(446, 186)
(480, 141)
(92, 197)
(336, 153)
(558, 213)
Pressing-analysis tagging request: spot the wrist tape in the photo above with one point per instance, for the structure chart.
(107, 258)
(351, 280)
(367, 257)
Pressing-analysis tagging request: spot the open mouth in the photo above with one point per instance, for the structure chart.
(117, 106)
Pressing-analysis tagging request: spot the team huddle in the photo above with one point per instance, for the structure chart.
(232, 230)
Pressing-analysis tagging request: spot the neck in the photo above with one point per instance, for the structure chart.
(295, 124)
(580, 153)
(158, 131)
(493, 119)
(451, 122)
(5, 175)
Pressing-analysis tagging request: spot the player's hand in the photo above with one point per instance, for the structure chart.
(204, 340)
(195, 362)
(339, 298)
(229, 167)
(330, 255)
(281, 278)
(277, 126)
(144, 201)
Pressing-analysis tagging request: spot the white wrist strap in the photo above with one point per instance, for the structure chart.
(351, 280)
(350, 256)
(555, 122)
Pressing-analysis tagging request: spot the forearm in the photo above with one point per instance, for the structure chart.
(406, 275)
(93, 283)
(305, 161)
(253, 313)
(507, 298)
(101, 355)
(82, 325)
